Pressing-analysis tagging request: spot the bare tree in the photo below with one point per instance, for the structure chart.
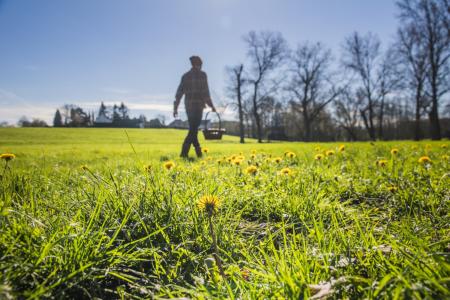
(431, 19)
(123, 111)
(266, 51)
(347, 107)
(389, 79)
(362, 56)
(66, 115)
(310, 84)
(413, 55)
(161, 118)
(235, 89)
(267, 106)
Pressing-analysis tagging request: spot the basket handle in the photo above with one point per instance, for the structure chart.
(206, 118)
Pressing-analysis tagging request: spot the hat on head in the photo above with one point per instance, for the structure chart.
(195, 60)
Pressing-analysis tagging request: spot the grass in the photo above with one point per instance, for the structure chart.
(123, 226)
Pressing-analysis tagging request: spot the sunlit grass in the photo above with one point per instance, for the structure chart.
(98, 213)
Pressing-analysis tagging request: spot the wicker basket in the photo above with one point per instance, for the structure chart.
(213, 133)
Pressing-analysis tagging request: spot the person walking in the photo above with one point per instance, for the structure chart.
(194, 86)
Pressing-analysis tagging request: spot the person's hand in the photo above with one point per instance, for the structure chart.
(175, 114)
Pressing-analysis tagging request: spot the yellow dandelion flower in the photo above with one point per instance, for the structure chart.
(290, 154)
(253, 151)
(392, 188)
(444, 157)
(317, 149)
(233, 157)
(424, 160)
(169, 165)
(7, 156)
(277, 159)
(84, 168)
(330, 152)
(241, 153)
(237, 162)
(251, 170)
(252, 157)
(428, 146)
(245, 273)
(230, 159)
(394, 151)
(341, 148)
(382, 163)
(219, 161)
(318, 156)
(444, 146)
(286, 171)
(209, 203)
(205, 150)
(240, 157)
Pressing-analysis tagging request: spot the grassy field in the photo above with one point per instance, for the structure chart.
(109, 213)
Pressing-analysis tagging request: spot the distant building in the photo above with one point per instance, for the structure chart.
(102, 119)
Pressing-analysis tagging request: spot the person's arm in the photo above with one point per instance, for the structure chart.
(178, 96)
(207, 96)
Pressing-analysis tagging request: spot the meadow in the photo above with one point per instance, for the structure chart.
(114, 213)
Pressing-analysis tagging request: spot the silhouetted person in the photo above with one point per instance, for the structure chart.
(194, 85)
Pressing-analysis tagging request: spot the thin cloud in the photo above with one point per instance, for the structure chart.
(115, 90)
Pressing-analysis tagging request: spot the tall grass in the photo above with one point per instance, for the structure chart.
(340, 227)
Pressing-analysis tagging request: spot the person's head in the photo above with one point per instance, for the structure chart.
(196, 62)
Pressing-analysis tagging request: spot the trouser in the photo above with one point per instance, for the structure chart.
(194, 120)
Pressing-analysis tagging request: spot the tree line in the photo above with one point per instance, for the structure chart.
(368, 92)
(71, 115)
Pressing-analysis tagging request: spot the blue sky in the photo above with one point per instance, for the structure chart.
(54, 52)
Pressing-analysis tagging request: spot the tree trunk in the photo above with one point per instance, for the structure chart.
(434, 122)
(351, 134)
(417, 133)
(367, 125)
(380, 120)
(255, 112)
(371, 128)
(258, 127)
(239, 98)
(435, 127)
(306, 128)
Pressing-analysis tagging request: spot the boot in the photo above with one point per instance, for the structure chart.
(198, 151)
(185, 150)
